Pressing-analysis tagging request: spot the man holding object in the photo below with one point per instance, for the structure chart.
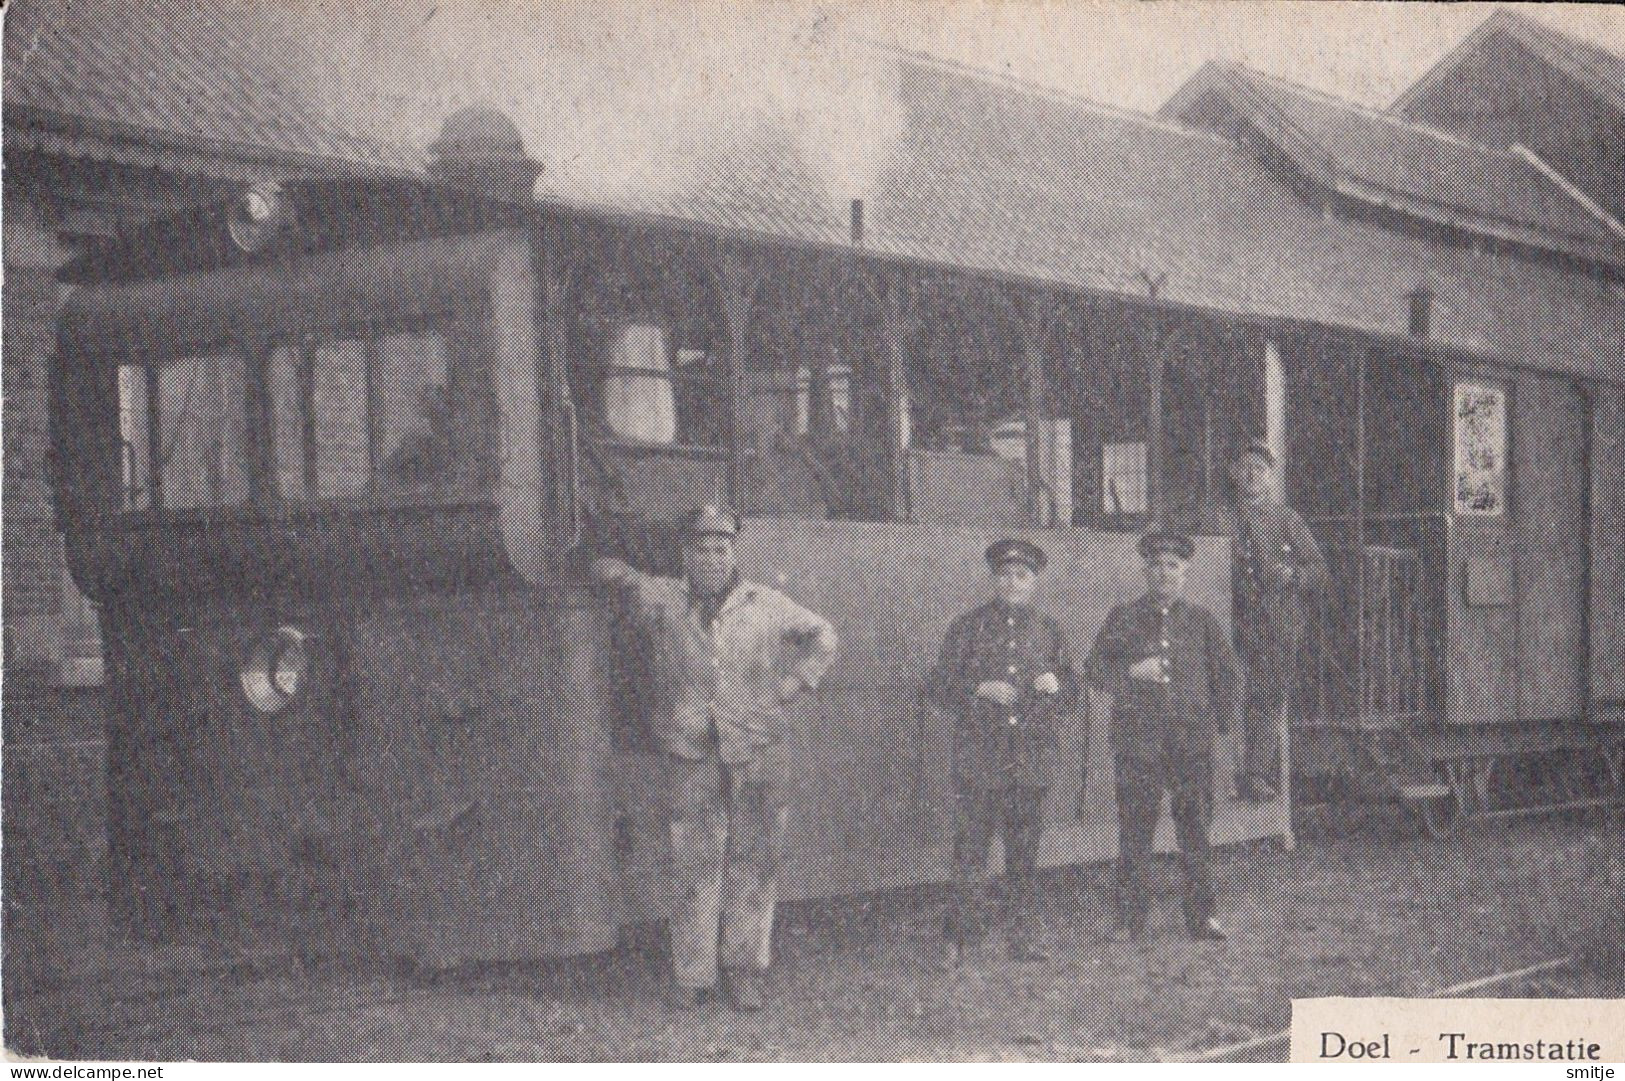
(1005, 673)
(1175, 682)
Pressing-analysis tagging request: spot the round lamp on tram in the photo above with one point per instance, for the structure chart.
(277, 669)
(258, 215)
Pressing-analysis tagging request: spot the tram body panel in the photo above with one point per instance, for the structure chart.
(435, 790)
(871, 764)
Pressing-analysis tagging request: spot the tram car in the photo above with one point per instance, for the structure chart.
(327, 458)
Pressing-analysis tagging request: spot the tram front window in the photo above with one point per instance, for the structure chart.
(199, 430)
(381, 417)
(352, 416)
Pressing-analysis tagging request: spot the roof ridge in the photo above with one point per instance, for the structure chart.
(1035, 89)
(1541, 26)
(1398, 120)
(1594, 60)
(1589, 62)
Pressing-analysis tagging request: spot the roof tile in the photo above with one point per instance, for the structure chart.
(187, 75)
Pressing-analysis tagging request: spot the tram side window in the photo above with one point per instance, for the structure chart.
(199, 431)
(1123, 480)
(658, 393)
(338, 409)
(355, 416)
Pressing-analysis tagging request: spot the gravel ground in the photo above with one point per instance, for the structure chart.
(1384, 913)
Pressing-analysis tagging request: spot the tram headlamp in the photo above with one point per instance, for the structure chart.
(276, 670)
(259, 214)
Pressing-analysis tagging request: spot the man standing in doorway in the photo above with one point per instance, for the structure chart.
(728, 656)
(1005, 673)
(1276, 566)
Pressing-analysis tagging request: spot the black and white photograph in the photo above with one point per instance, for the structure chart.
(804, 531)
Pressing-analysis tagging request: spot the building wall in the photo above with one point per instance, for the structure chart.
(33, 564)
(51, 635)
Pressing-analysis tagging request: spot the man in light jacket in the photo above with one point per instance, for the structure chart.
(728, 656)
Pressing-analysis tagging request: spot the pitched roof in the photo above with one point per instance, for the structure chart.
(1598, 70)
(1384, 159)
(184, 87)
(987, 173)
(1002, 177)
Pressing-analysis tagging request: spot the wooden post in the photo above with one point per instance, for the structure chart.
(898, 329)
(737, 286)
(1035, 327)
(1208, 495)
(1153, 436)
(1362, 353)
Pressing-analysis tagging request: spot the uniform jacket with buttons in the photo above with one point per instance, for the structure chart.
(999, 746)
(726, 675)
(1276, 563)
(1199, 693)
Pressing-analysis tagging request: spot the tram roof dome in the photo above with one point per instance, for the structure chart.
(480, 147)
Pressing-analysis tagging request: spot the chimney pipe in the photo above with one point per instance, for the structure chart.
(1421, 299)
(857, 221)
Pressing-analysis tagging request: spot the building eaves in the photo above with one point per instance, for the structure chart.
(1386, 160)
(119, 80)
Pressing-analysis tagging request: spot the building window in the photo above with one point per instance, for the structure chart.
(1123, 480)
(661, 394)
(135, 432)
(835, 394)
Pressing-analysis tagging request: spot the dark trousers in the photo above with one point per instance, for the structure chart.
(1188, 778)
(1271, 661)
(1017, 813)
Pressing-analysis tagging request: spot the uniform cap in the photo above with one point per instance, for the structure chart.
(1014, 550)
(712, 520)
(1261, 448)
(1159, 541)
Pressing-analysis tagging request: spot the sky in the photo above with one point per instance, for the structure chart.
(612, 93)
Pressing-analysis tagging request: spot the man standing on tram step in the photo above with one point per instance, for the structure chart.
(728, 657)
(1175, 682)
(1276, 566)
(1006, 675)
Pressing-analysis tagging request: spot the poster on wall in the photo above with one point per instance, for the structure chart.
(1481, 449)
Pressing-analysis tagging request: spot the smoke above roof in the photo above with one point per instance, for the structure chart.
(619, 95)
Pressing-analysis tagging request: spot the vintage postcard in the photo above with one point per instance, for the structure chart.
(797, 531)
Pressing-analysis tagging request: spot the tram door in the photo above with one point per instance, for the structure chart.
(1549, 506)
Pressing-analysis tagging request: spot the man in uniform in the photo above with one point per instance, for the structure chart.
(1276, 565)
(727, 656)
(1174, 682)
(1005, 673)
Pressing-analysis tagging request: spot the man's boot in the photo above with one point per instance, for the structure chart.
(679, 997)
(1130, 926)
(1257, 789)
(747, 989)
